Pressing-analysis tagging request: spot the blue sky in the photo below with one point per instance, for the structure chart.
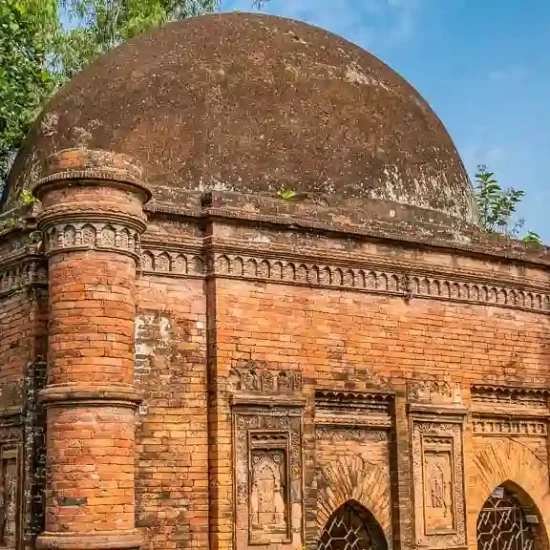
(483, 65)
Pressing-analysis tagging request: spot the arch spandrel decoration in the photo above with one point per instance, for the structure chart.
(352, 527)
(510, 464)
(354, 479)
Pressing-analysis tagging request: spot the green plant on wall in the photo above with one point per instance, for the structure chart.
(497, 207)
(286, 194)
(43, 43)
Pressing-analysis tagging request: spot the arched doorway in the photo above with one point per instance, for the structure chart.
(502, 524)
(352, 527)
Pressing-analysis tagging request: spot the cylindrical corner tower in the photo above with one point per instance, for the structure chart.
(92, 219)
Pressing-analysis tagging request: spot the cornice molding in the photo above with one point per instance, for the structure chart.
(337, 409)
(488, 426)
(17, 275)
(408, 284)
(503, 396)
(437, 238)
(23, 266)
(85, 235)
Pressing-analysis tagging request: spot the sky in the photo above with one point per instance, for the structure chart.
(483, 65)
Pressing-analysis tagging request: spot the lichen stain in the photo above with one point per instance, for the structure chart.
(48, 125)
(153, 342)
(355, 75)
(81, 136)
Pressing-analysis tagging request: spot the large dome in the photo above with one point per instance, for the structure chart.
(255, 104)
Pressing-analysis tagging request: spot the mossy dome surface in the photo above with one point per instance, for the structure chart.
(254, 104)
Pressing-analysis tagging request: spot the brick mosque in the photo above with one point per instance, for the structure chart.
(250, 306)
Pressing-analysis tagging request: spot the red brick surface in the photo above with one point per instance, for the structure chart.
(174, 328)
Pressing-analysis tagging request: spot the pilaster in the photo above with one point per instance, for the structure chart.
(91, 219)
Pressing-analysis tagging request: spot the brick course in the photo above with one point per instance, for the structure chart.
(172, 483)
(207, 363)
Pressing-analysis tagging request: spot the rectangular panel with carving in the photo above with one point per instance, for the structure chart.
(10, 497)
(268, 472)
(269, 497)
(438, 484)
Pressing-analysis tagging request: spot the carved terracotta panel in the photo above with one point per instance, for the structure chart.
(9, 496)
(438, 479)
(268, 501)
(433, 392)
(268, 476)
(438, 485)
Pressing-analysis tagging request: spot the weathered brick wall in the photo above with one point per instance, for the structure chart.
(347, 339)
(172, 431)
(23, 327)
(191, 335)
(353, 464)
(355, 341)
(17, 332)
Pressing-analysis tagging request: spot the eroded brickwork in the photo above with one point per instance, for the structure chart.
(172, 428)
(276, 395)
(223, 366)
(23, 327)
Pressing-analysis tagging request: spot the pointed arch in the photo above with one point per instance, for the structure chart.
(352, 527)
(354, 479)
(508, 463)
(506, 521)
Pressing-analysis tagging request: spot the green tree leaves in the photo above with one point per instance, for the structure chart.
(27, 33)
(497, 207)
(37, 54)
(98, 26)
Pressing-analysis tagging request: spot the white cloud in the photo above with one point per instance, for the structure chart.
(386, 23)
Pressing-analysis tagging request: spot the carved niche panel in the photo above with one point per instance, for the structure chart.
(438, 483)
(509, 411)
(269, 501)
(268, 472)
(257, 377)
(433, 392)
(10, 498)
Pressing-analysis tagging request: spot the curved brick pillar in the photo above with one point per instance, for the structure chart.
(92, 219)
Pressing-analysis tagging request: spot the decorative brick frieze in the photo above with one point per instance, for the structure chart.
(357, 410)
(349, 416)
(18, 275)
(117, 237)
(257, 377)
(351, 433)
(302, 271)
(172, 263)
(509, 427)
(503, 396)
(509, 411)
(18, 245)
